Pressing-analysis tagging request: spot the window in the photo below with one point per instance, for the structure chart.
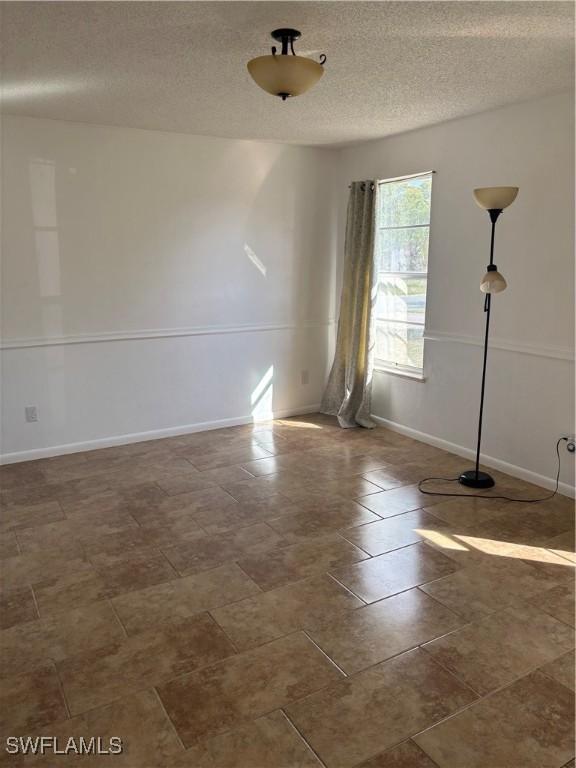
(402, 233)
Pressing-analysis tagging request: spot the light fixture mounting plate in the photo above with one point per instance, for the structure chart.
(282, 34)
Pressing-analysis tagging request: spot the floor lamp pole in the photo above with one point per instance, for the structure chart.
(481, 478)
(493, 282)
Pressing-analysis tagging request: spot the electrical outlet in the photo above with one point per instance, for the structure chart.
(304, 377)
(31, 413)
(571, 444)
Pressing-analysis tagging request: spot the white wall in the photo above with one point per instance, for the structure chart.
(151, 281)
(131, 304)
(530, 394)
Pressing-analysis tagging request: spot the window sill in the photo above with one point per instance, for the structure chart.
(413, 375)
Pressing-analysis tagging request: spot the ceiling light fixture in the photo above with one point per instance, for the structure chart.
(286, 75)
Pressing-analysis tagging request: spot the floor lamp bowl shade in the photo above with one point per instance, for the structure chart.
(495, 198)
(493, 282)
(285, 75)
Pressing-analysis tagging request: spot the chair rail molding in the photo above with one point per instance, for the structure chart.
(159, 333)
(558, 353)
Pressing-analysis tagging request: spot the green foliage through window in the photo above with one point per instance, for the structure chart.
(403, 228)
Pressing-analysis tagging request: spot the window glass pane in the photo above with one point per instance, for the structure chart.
(401, 298)
(403, 250)
(400, 344)
(405, 203)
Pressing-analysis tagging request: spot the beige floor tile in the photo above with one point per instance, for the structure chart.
(379, 631)
(359, 717)
(212, 498)
(394, 572)
(72, 537)
(493, 651)
(187, 483)
(15, 518)
(90, 524)
(398, 500)
(530, 724)
(130, 571)
(115, 533)
(26, 495)
(224, 696)
(561, 670)
(405, 755)
(298, 561)
(31, 568)
(395, 476)
(328, 517)
(29, 645)
(244, 514)
(70, 591)
(185, 597)
(261, 487)
(259, 467)
(205, 551)
(99, 677)
(173, 516)
(347, 487)
(18, 475)
(148, 737)
(227, 476)
(227, 458)
(558, 602)
(8, 545)
(267, 742)
(482, 589)
(531, 524)
(463, 513)
(270, 615)
(100, 503)
(16, 607)
(395, 532)
(29, 700)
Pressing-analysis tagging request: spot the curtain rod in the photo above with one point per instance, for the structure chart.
(401, 178)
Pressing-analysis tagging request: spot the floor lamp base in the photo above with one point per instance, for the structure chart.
(474, 479)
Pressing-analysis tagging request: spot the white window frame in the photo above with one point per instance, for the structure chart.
(389, 366)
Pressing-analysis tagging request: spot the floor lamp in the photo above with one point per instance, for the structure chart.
(493, 200)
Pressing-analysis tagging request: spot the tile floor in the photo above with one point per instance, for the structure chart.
(281, 596)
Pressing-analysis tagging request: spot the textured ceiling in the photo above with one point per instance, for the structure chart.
(181, 66)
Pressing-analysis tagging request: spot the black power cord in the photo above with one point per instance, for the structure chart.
(486, 496)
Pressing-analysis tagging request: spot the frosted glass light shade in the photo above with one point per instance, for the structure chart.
(495, 198)
(493, 282)
(285, 75)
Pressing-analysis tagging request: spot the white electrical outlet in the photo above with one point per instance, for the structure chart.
(304, 377)
(31, 413)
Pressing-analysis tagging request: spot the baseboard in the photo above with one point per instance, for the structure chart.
(140, 437)
(467, 453)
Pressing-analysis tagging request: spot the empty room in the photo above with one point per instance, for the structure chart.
(287, 417)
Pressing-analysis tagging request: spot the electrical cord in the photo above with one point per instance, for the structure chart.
(486, 496)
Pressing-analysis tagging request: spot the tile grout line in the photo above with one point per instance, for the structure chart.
(330, 659)
(449, 671)
(486, 696)
(301, 735)
(110, 602)
(62, 692)
(168, 718)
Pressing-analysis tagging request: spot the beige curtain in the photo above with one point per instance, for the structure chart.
(348, 392)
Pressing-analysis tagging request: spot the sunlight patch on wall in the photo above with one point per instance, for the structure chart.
(262, 396)
(254, 259)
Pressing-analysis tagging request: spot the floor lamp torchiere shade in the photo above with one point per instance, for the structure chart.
(493, 200)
